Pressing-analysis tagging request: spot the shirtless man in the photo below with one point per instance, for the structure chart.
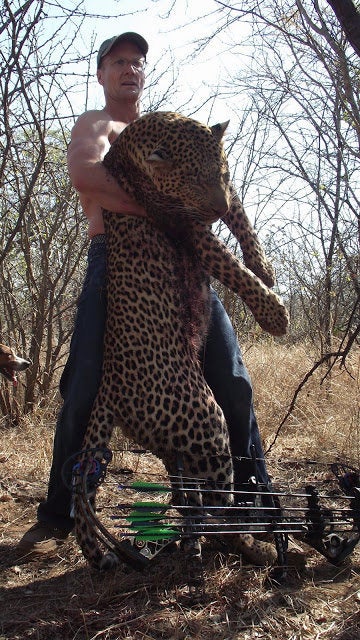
(121, 74)
(121, 62)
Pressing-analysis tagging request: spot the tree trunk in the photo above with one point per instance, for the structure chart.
(349, 19)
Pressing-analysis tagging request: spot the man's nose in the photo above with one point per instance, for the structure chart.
(128, 64)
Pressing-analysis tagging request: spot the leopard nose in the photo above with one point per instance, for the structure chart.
(220, 202)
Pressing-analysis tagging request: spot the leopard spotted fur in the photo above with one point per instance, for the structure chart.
(158, 302)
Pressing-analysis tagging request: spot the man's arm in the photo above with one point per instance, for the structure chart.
(88, 146)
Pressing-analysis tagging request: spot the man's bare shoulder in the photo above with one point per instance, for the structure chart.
(97, 124)
(93, 119)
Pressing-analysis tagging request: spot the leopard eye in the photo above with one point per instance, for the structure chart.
(160, 153)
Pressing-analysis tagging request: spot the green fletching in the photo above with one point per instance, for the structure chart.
(149, 486)
(153, 506)
(135, 516)
(151, 534)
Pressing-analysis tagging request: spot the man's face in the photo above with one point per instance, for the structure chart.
(121, 73)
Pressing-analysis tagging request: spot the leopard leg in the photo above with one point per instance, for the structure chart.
(219, 479)
(252, 250)
(266, 306)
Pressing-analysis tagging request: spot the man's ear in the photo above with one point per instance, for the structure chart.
(99, 76)
(160, 159)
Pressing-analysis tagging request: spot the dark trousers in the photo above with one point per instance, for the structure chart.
(223, 367)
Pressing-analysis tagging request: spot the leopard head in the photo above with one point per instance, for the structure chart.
(173, 164)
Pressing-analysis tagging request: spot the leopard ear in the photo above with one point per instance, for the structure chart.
(160, 158)
(218, 130)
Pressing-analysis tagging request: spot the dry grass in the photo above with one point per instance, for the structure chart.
(62, 598)
(326, 419)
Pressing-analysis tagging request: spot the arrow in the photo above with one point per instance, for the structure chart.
(145, 486)
(152, 534)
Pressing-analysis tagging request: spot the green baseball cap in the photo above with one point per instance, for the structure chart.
(107, 45)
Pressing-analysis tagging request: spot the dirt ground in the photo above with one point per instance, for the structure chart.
(61, 597)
